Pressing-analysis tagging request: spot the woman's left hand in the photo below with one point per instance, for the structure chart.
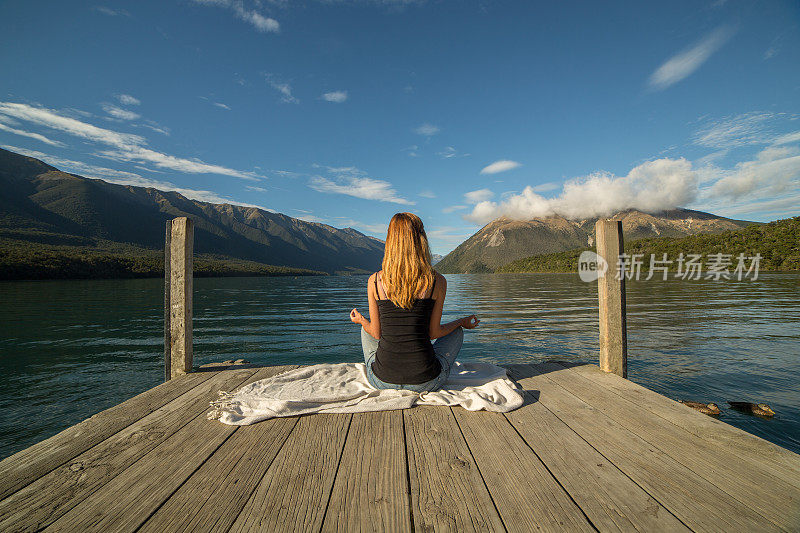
(356, 317)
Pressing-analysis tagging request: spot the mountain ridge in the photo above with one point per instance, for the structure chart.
(39, 201)
(504, 240)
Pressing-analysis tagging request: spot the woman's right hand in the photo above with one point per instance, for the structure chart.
(470, 322)
(356, 317)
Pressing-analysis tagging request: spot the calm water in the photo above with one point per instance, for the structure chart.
(69, 349)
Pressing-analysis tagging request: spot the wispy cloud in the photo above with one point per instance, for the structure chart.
(427, 193)
(105, 10)
(283, 88)
(413, 150)
(500, 166)
(447, 236)
(253, 17)
(481, 195)
(353, 182)
(31, 135)
(775, 170)
(336, 97)
(125, 146)
(734, 131)
(126, 99)
(427, 130)
(681, 65)
(452, 208)
(222, 106)
(774, 48)
(546, 187)
(450, 152)
(119, 113)
(376, 229)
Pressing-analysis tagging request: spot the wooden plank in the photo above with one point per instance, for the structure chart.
(699, 504)
(609, 498)
(127, 500)
(772, 458)
(296, 488)
(527, 496)
(213, 497)
(447, 491)
(167, 306)
(46, 499)
(773, 498)
(180, 298)
(371, 488)
(34, 462)
(611, 296)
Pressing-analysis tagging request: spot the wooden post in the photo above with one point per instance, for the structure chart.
(180, 296)
(167, 306)
(611, 293)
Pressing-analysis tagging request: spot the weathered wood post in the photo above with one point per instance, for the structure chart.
(611, 293)
(178, 251)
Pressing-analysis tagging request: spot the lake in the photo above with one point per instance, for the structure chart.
(69, 349)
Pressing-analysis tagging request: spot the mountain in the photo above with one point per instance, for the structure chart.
(435, 258)
(777, 242)
(40, 204)
(505, 240)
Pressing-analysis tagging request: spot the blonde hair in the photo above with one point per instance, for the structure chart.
(407, 269)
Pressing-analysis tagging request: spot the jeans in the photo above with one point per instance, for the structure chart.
(445, 348)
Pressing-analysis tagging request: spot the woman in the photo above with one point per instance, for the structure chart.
(406, 299)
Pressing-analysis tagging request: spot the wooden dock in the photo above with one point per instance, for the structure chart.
(588, 451)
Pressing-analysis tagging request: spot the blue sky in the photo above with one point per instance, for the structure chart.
(345, 112)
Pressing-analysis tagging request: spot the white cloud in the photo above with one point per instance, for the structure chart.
(735, 131)
(379, 229)
(546, 187)
(308, 217)
(336, 97)
(651, 187)
(685, 63)
(452, 208)
(260, 22)
(112, 12)
(449, 152)
(427, 193)
(118, 112)
(500, 166)
(447, 236)
(476, 197)
(31, 135)
(75, 167)
(788, 138)
(427, 130)
(775, 170)
(126, 99)
(360, 187)
(126, 146)
(283, 88)
(222, 106)
(413, 150)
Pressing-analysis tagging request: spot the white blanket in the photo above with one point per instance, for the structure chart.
(343, 388)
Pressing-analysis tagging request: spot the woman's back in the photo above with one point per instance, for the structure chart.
(405, 353)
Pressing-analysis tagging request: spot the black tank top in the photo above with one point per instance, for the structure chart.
(405, 354)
